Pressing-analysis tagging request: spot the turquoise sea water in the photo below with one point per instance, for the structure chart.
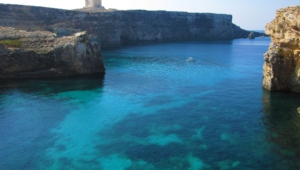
(153, 110)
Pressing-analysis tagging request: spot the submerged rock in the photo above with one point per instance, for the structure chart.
(282, 60)
(41, 54)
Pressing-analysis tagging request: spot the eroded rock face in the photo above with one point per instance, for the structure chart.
(282, 61)
(116, 28)
(41, 54)
(251, 35)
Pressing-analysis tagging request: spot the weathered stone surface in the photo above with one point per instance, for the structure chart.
(251, 35)
(115, 28)
(41, 54)
(282, 61)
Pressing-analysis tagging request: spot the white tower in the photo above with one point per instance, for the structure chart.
(93, 4)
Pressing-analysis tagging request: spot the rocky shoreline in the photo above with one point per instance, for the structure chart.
(116, 28)
(47, 42)
(281, 69)
(41, 54)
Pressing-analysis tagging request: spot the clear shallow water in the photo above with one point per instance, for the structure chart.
(153, 110)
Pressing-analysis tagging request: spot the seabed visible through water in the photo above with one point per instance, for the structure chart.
(154, 110)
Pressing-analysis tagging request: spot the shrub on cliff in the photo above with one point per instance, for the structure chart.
(16, 43)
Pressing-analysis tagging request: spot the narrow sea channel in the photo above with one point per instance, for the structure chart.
(152, 110)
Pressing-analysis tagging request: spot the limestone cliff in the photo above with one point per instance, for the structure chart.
(115, 28)
(282, 61)
(41, 54)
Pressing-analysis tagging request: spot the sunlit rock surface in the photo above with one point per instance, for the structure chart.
(282, 61)
(114, 28)
(41, 54)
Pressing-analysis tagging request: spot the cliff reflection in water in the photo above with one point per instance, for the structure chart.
(47, 86)
(282, 123)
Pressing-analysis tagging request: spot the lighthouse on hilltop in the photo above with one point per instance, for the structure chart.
(94, 4)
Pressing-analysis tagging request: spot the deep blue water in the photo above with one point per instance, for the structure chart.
(153, 110)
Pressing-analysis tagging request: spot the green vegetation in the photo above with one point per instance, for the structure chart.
(279, 50)
(276, 31)
(12, 43)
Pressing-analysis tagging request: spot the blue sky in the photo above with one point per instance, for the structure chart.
(248, 14)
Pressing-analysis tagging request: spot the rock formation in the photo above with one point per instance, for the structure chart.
(282, 61)
(41, 54)
(63, 52)
(115, 28)
(251, 35)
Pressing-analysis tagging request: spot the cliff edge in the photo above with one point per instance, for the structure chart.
(116, 28)
(41, 54)
(281, 69)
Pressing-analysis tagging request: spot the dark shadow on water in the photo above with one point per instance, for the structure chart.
(171, 42)
(47, 86)
(28, 114)
(282, 124)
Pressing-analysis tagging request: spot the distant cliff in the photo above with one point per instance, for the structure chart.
(41, 54)
(114, 28)
(282, 60)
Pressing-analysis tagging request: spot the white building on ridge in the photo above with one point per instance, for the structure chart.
(94, 4)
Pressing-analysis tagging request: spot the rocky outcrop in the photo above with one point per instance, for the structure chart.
(282, 61)
(251, 35)
(115, 28)
(41, 54)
